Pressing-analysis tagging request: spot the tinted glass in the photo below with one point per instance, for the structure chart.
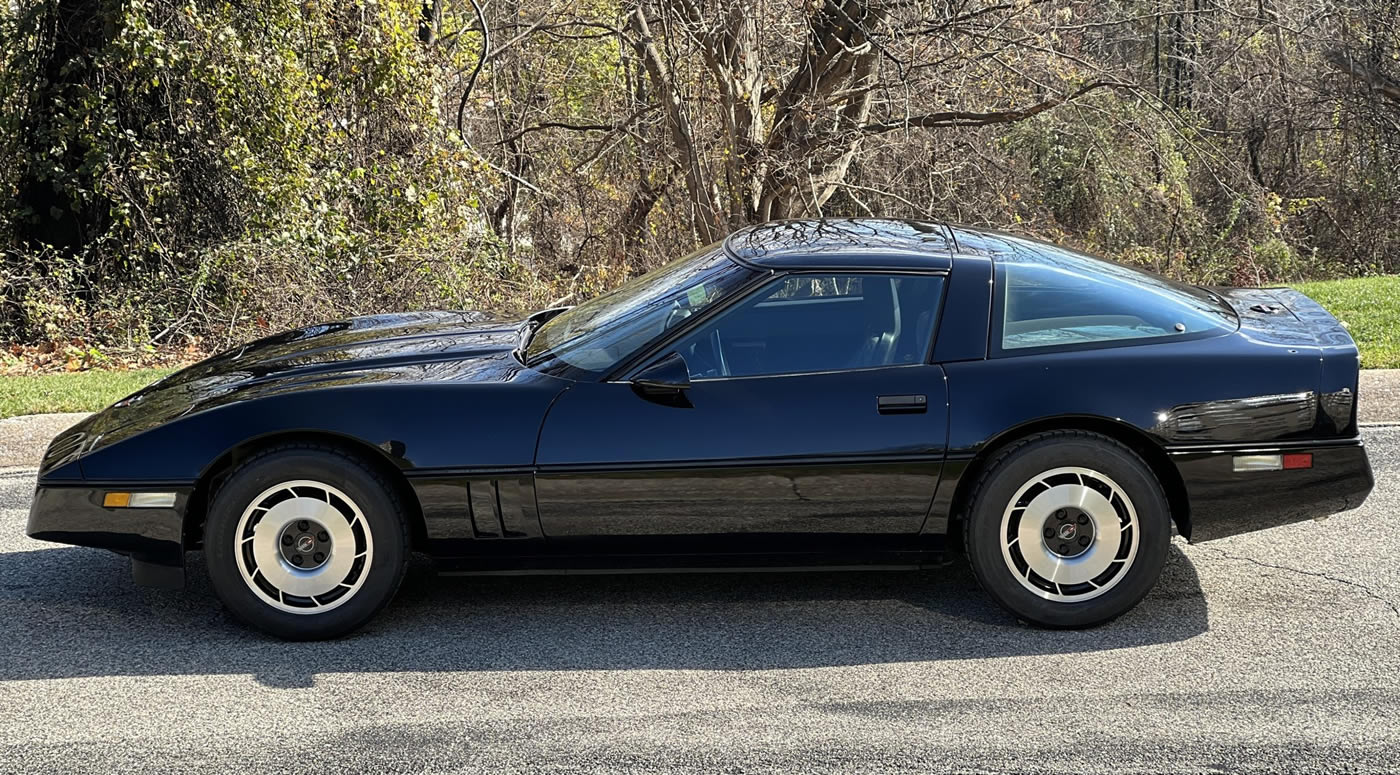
(814, 323)
(602, 332)
(1056, 297)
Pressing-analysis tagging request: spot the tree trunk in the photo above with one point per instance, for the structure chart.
(704, 212)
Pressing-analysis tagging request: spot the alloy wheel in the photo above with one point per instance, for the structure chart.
(303, 547)
(1069, 534)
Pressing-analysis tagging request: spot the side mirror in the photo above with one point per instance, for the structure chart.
(666, 380)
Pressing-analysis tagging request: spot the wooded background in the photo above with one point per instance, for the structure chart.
(192, 173)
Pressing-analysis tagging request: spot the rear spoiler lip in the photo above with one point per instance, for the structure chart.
(1307, 323)
(1330, 332)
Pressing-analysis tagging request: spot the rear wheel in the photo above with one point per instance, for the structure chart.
(306, 542)
(1067, 529)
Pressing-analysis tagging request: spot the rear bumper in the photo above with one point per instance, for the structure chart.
(75, 515)
(1224, 502)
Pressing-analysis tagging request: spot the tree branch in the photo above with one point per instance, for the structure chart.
(1376, 82)
(543, 125)
(625, 125)
(480, 62)
(682, 133)
(971, 118)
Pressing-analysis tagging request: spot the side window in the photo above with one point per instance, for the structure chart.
(1062, 299)
(806, 286)
(818, 322)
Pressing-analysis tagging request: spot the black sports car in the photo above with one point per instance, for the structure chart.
(804, 394)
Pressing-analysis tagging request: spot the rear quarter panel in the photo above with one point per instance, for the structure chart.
(1195, 400)
(1229, 388)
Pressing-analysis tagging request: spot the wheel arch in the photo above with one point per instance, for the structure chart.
(219, 469)
(1134, 438)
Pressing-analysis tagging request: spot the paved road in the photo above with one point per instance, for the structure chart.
(1273, 651)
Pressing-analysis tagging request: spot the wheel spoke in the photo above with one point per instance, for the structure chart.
(1064, 539)
(303, 546)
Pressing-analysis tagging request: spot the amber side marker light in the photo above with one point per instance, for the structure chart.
(138, 500)
(1245, 463)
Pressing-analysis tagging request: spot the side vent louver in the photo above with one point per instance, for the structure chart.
(501, 508)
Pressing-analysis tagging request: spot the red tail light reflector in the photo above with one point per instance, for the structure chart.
(1298, 460)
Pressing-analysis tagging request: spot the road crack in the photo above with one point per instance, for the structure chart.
(1367, 591)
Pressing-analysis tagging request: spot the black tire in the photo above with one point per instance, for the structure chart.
(992, 537)
(382, 539)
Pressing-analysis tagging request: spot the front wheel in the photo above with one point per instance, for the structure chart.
(306, 542)
(1067, 529)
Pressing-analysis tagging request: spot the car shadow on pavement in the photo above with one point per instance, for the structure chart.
(69, 612)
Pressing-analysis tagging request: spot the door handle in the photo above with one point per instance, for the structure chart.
(909, 404)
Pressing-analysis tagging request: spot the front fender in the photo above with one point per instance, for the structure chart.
(428, 426)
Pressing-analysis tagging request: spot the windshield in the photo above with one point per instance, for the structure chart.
(598, 334)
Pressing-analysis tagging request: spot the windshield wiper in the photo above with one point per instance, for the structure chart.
(532, 325)
(527, 332)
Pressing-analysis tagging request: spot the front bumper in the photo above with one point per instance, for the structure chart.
(1224, 502)
(153, 537)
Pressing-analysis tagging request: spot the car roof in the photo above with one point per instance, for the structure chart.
(998, 244)
(851, 244)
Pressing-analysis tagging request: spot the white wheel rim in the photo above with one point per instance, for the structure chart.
(303, 510)
(1103, 518)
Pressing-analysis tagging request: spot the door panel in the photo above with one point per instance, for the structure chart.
(816, 498)
(754, 464)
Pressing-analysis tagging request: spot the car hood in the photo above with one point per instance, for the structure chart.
(408, 348)
(357, 343)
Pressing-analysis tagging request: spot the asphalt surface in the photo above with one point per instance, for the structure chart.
(1275, 651)
(23, 439)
